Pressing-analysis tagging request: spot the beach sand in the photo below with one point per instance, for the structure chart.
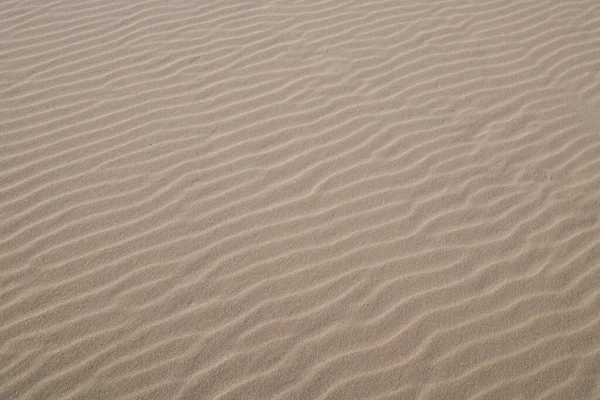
(300, 199)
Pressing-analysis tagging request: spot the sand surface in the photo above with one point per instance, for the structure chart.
(300, 199)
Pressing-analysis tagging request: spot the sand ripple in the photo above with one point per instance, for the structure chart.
(300, 199)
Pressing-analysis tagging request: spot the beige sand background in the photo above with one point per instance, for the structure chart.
(300, 199)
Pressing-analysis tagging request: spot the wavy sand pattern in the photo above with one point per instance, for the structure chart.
(300, 199)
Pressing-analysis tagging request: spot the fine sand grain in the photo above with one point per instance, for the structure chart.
(288, 199)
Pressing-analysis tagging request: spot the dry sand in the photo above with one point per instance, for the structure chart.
(300, 199)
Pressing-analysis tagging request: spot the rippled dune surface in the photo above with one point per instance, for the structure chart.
(319, 199)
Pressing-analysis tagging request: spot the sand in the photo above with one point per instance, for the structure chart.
(300, 199)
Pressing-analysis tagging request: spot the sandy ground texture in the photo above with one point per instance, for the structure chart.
(320, 199)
